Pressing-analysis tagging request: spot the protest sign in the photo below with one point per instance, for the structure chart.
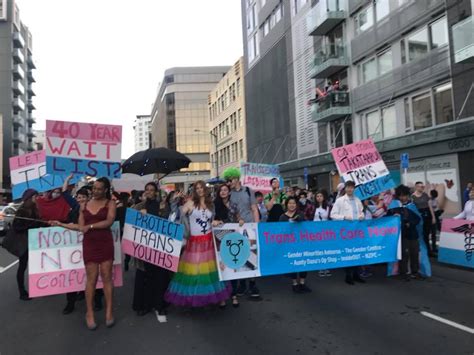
(362, 163)
(286, 247)
(456, 242)
(28, 171)
(56, 264)
(152, 239)
(237, 250)
(90, 149)
(258, 176)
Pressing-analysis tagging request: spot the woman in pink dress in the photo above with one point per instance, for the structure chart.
(95, 218)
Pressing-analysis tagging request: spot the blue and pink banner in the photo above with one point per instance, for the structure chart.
(90, 149)
(362, 163)
(286, 247)
(55, 262)
(28, 171)
(152, 239)
(456, 242)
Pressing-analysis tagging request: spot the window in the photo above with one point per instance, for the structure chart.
(279, 12)
(389, 122)
(374, 126)
(382, 9)
(238, 86)
(262, 3)
(418, 44)
(241, 148)
(422, 116)
(385, 62)
(364, 19)
(443, 103)
(253, 47)
(266, 28)
(439, 33)
(369, 70)
(239, 114)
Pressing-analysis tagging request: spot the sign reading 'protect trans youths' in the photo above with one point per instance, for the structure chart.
(28, 171)
(152, 239)
(258, 176)
(56, 264)
(90, 149)
(287, 247)
(362, 163)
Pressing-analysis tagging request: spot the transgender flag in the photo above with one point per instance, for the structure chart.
(456, 243)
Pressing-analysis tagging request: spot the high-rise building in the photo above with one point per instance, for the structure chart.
(39, 140)
(16, 93)
(398, 71)
(179, 119)
(142, 128)
(227, 120)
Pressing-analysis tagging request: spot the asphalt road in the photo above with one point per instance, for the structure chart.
(380, 317)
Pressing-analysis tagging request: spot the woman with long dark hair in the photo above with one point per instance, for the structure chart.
(322, 211)
(196, 284)
(95, 218)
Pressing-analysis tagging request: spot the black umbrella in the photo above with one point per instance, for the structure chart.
(154, 161)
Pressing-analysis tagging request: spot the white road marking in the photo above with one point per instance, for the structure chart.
(448, 322)
(3, 269)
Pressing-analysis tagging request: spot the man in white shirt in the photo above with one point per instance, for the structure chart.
(349, 208)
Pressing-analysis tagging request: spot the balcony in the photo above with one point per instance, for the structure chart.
(31, 120)
(31, 134)
(328, 61)
(30, 148)
(31, 106)
(18, 104)
(399, 21)
(29, 61)
(18, 88)
(31, 79)
(324, 16)
(18, 121)
(331, 107)
(18, 40)
(463, 41)
(18, 72)
(18, 135)
(18, 57)
(30, 91)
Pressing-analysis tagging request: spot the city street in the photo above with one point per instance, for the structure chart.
(380, 317)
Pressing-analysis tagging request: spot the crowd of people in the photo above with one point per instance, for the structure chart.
(93, 208)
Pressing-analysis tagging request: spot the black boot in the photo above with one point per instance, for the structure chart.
(69, 308)
(24, 295)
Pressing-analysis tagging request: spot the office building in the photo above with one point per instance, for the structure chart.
(16, 92)
(39, 140)
(227, 121)
(399, 72)
(180, 119)
(142, 130)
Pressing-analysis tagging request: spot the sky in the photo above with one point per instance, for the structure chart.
(103, 60)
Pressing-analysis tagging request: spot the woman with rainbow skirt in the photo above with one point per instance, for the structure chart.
(196, 284)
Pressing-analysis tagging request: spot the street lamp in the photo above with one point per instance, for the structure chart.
(215, 148)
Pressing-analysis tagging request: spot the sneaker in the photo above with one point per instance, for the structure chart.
(241, 289)
(25, 297)
(417, 276)
(304, 288)
(161, 317)
(327, 273)
(322, 273)
(254, 291)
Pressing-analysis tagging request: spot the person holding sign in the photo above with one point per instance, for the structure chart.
(349, 208)
(468, 210)
(293, 215)
(152, 282)
(95, 218)
(196, 284)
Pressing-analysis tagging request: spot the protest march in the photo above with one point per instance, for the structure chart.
(77, 233)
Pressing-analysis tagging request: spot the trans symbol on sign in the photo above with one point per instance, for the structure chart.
(235, 250)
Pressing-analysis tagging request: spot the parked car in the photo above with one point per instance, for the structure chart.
(7, 214)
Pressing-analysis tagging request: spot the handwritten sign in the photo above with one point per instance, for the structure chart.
(258, 176)
(90, 149)
(56, 264)
(456, 242)
(28, 171)
(362, 163)
(152, 239)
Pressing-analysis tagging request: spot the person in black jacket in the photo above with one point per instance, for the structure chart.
(27, 217)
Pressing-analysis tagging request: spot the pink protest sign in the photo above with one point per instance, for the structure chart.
(355, 155)
(55, 261)
(83, 149)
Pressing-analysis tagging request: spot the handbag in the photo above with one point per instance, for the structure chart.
(15, 243)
